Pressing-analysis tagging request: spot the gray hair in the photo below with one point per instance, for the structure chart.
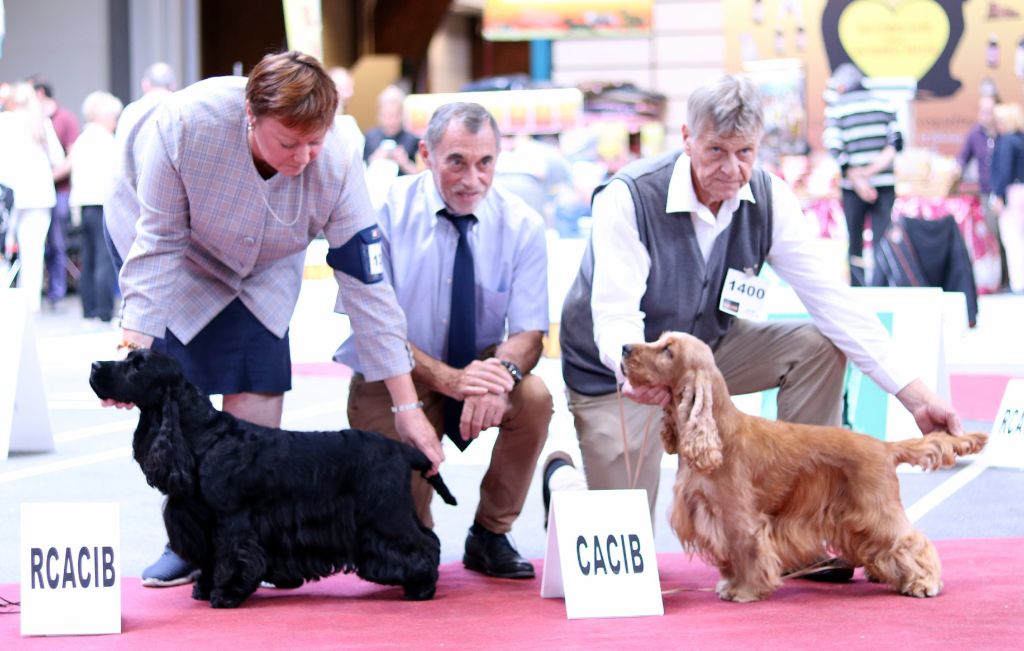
(846, 77)
(99, 104)
(730, 105)
(472, 116)
(391, 93)
(160, 75)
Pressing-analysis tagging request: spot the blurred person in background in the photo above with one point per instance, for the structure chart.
(65, 124)
(158, 81)
(1008, 189)
(28, 156)
(979, 147)
(862, 135)
(536, 171)
(94, 168)
(346, 124)
(389, 140)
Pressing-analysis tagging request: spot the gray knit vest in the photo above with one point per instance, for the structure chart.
(682, 291)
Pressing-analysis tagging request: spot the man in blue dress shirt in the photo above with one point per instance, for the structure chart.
(423, 222)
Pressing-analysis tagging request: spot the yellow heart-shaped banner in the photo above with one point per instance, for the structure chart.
(894, 39)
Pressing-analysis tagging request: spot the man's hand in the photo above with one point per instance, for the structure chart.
(930, 412)
(481, 412)
(862, 185)
(481, 377)
(647, 395)
(416, 430)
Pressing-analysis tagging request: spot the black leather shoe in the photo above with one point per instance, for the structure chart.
(829, 570)
(555, 460)
(492, 554)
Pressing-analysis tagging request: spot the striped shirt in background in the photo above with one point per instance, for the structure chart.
(858, 126)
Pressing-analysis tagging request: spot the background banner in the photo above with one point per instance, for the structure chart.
(524, 20)
(949, 47)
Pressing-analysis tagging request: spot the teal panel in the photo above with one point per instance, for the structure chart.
(867, 403)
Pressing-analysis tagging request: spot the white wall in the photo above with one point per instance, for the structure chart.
(66, 42)
(168, 31)
(448, 56)
(686, 49)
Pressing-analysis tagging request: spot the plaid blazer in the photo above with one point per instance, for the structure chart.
(205, 228)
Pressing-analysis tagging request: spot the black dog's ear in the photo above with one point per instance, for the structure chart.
(169, 466)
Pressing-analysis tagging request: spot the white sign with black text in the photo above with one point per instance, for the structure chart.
(1005, 447)
(70, 568)
(600, 554)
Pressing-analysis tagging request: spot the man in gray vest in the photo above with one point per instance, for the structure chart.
(670, 236)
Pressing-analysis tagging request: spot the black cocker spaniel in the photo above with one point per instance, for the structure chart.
(247, 503)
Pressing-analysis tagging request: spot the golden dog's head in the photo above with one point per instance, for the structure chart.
(685, 365)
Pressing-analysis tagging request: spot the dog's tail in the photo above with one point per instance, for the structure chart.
(418, 461)
(936, 450)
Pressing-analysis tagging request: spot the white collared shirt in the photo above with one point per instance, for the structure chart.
(93, 167)
(620, 276)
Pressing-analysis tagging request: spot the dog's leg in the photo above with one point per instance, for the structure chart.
(203, 586)
(397, 554)
(753, 569)
(911, 566)
(188, 528)
(421, 581)
(239, 564)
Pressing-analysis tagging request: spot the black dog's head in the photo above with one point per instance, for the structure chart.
(142, 378)
(155, 383)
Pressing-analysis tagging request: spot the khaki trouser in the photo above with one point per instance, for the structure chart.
(792, 356)
(521, 436)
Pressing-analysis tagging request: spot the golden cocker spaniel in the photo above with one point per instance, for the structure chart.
(755, 497)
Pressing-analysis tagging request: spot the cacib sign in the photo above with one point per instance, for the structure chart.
(600, 554)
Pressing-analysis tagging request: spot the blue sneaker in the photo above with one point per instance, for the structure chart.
(169, 570)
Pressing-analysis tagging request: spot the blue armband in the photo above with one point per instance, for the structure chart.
(361, 257)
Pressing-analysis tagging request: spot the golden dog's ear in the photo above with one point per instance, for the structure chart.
(699, 442)
(670, 426)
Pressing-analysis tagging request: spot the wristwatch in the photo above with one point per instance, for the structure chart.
(513, 370)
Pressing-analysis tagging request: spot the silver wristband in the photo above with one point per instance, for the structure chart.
(409, 406)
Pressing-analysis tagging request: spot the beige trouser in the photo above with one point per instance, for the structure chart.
(792, 356)
(521, 436)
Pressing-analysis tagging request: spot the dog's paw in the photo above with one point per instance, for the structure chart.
(200, 592)
(870, 576)
(728, 591)
(922, 587)
(225, 601)
(419, 591)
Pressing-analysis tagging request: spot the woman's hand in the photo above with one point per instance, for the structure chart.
(416, 430)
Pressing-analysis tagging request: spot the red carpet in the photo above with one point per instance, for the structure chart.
(982, 606)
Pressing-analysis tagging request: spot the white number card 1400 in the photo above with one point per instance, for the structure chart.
(744, 295)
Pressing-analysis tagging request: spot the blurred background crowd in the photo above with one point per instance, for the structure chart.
(579, 89)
